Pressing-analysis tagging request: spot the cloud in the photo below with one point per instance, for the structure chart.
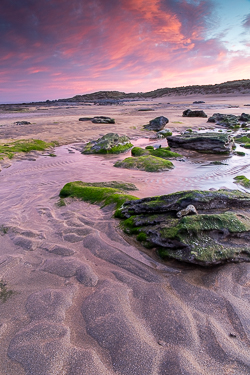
(246, 21)
(78, 46)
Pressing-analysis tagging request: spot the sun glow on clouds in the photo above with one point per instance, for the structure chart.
(59, 49)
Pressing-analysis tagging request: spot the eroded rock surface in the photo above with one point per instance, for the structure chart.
(203, 142)
(109, 143)
(219, 233)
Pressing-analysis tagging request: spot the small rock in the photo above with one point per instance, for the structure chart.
(22, 123)
(232, 335)
(189, 210)
(157, 124)
(189, 113)
(162, 343)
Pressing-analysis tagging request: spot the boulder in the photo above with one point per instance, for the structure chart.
(224, 120)
(110, 143)
(219, 233)
(244, 117)
(156, 124)
(146, 163)
(198, 102)
(195, 113)
(218, 143)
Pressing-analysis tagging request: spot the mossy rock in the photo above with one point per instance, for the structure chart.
(110, 143)
(146, 163)
(162, 152)
(242, 180)
(214, 236)
(98, 193)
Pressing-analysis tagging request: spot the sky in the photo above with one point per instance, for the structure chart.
(51, 49)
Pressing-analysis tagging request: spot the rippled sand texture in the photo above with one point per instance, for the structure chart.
(86, 301)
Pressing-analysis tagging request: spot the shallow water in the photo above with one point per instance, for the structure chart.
(138, 316)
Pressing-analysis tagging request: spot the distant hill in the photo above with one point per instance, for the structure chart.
(240, 87)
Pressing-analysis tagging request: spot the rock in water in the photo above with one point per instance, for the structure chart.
(219, 234)
(157, 124)
(217, 143)
(196, 113)
(110, 143)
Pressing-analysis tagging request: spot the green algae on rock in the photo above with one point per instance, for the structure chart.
(242, 180)
(99, 193)
(214, 236)
(110, 143)
(24, 145)
(146, 163)
(162, 152)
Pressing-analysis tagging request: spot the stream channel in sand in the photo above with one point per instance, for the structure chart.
(86, 302)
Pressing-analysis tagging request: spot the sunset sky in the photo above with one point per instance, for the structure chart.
(52, 49)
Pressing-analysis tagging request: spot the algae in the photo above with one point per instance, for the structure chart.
(5, 293)
(242, 180)
(24, 145)
(146, 163)
(95, 194)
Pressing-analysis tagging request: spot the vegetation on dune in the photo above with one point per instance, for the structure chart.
(23, 145)
(94, 194)
(146, 163)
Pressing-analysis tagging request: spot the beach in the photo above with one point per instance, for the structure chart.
(81, 296)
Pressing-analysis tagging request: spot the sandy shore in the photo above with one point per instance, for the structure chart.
(85, 299)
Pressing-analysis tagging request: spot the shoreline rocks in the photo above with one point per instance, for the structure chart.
(157, 124)
(110, 143)
(217, 143)
(219, 233)
(195, 113)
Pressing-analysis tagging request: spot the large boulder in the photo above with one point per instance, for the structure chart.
(110, 143)
(218, 232)
(156, 124)
(217, 143)
(195, 113)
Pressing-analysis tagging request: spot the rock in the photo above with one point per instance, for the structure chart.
(189, 210)
(110, 143)
(244, 117)
(22, 123)
(103, 120)
(85, 118)
(157, 124)
(146, 163)
(203, 142)
(98, 119)
(195, 113)
(224, 120)
(198, 102)
(164, 133)
(219, 234)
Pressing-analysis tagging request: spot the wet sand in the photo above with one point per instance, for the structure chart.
(87, 300)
